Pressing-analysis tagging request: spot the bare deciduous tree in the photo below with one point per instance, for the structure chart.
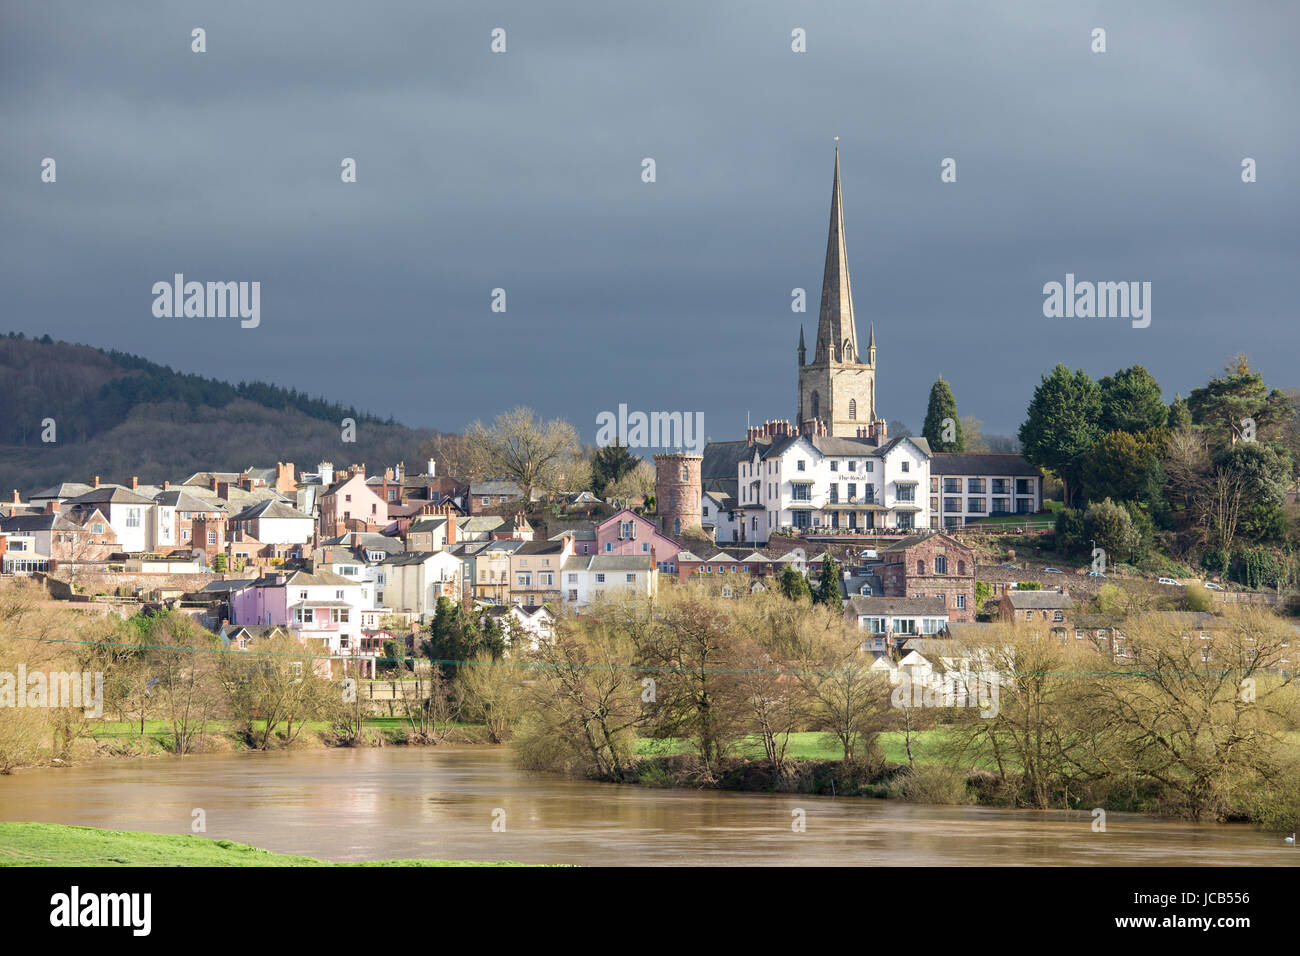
(526, 450)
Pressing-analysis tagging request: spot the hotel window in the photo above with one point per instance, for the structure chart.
(645, 547)
(835, 466)
(600, 579)
(906, 493)
(609, 546)
(524, 580)
(133, 517)
(347, 497)
(631, 579)
(940, 564)
(975, 486)
(547, 579)
(961, 602)
(573, 579)
(212, 537)
(339, 615)
(869, 466)
(799, 465)
(907, 466)
(302, 615)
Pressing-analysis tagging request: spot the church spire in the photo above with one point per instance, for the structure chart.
(803, 352)
(836, 333)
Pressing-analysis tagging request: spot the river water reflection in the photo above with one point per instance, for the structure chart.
(440, 803)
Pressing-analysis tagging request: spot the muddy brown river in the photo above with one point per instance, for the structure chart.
(470, 803)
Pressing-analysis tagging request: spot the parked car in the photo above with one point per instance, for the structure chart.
(1176, 584)
(1214, 587)
(1096, 574)
(1052, 571)
(1013, 567)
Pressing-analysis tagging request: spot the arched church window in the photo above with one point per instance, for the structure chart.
(685, 473)
(677, 526)
(853, 408)
(847, 351)
(816, 405)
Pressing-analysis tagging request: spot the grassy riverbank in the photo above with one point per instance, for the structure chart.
(50, 844)
(812, 745)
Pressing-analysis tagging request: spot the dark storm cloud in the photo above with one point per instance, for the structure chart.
(523, 171)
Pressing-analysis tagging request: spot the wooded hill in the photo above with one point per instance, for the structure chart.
(118, 415)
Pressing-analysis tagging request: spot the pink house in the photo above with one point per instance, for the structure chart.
(320, 607)
(628, 533)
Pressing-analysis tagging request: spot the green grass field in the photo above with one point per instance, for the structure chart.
(812, 745)
(50, 844)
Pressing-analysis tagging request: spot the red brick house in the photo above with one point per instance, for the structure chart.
(931, 565)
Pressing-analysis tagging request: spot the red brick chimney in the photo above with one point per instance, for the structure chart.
(167, 485)
(95, 483)
(17, 498)
(135, 482)
(51, 507)
(284, 473)
(451, 528)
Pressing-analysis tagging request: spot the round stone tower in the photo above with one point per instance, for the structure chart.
(677, 490)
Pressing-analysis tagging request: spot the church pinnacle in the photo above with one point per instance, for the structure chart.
(838, 387)
(837, 337)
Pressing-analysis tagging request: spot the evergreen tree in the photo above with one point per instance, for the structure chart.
(1131, 402)
(828, 589)
(455, 636)
(1180, 416)
(794, 585)
(941, 418)
(608, 465)
(1061, 426)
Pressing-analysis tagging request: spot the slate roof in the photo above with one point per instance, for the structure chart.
(620, 562)
(989, 464)
(184, 500)
(110, 494)
(1039, 600)
(64, 489)
(495, 486)
(886, 606)
(270, 508)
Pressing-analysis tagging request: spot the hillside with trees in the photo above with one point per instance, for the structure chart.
(118, 415)
(1208, 480)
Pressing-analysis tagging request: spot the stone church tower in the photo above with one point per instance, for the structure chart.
(837, 386)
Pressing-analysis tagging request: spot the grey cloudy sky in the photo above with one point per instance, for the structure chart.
(522, 171)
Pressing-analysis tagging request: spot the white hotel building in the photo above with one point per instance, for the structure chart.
(818, 481)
